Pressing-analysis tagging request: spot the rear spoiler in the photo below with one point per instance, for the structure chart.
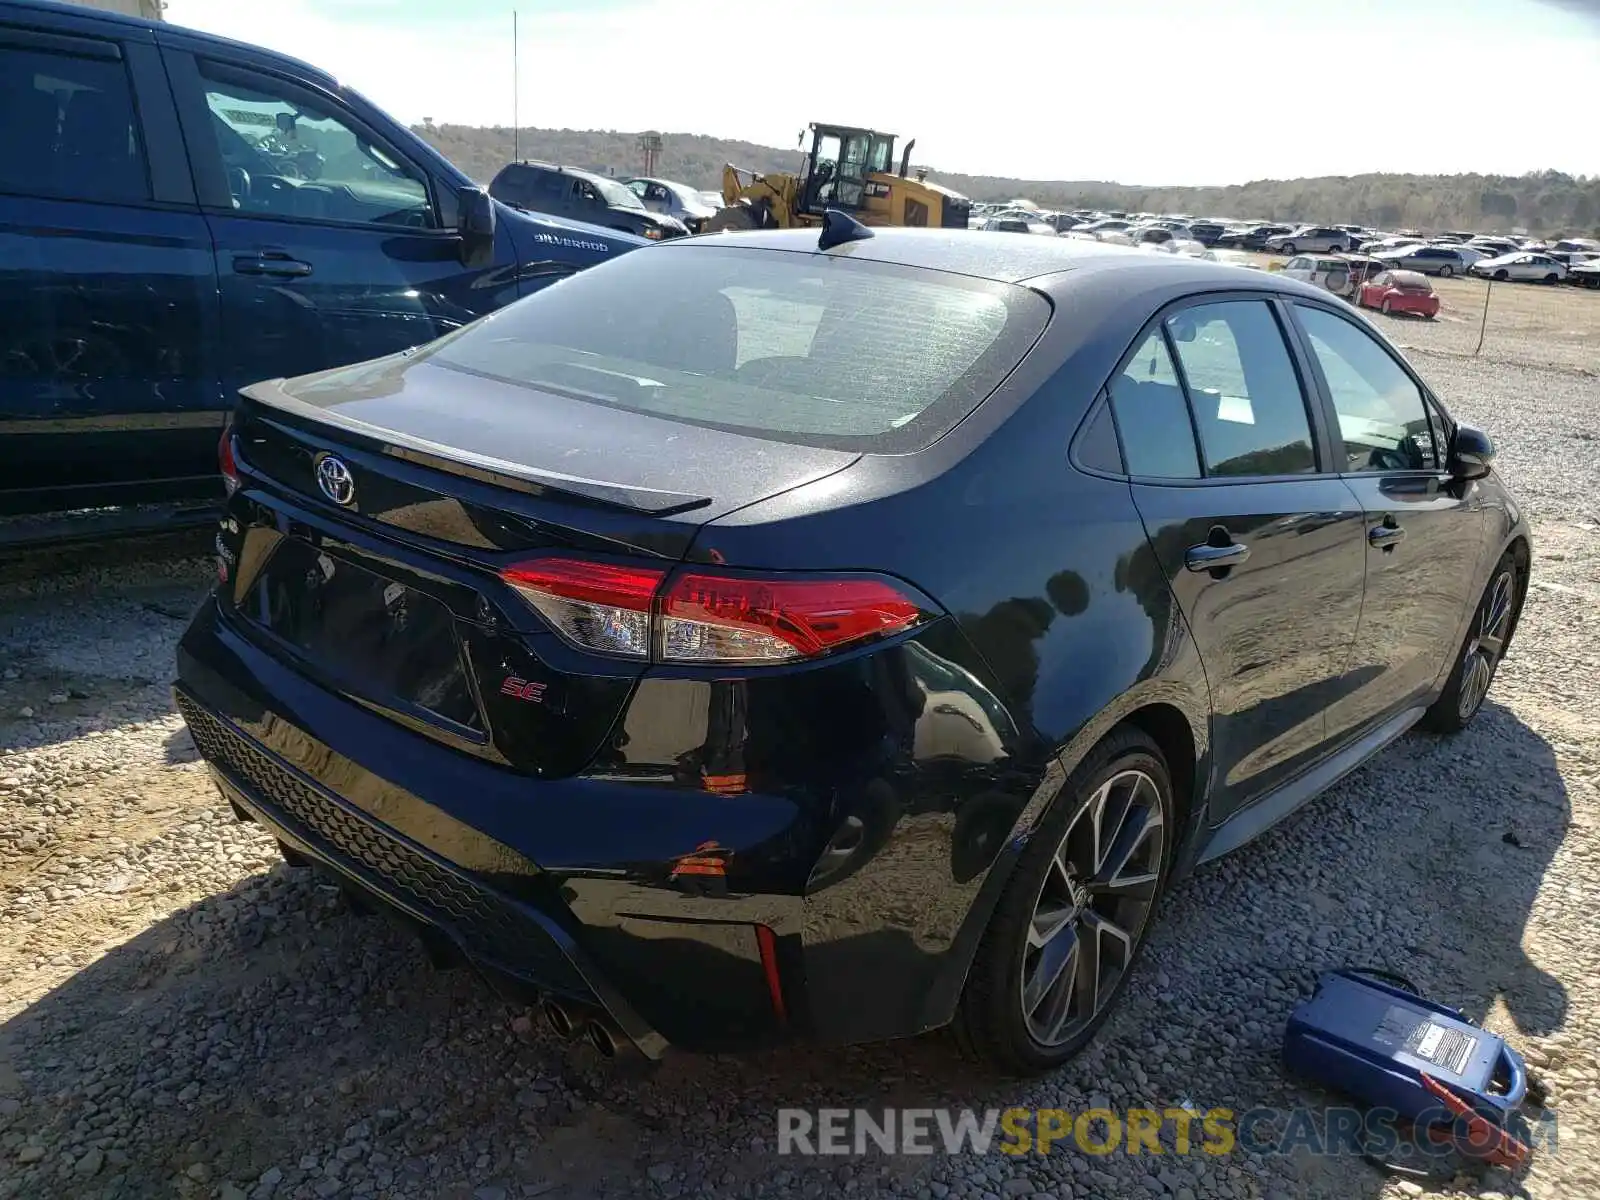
(467, 465)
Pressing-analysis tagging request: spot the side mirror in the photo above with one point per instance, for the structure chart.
(475, 224)
(1471, 452)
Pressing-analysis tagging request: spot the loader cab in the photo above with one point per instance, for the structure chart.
(838, 165)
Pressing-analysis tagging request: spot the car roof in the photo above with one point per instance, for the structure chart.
(83, 12)
(1050, 264)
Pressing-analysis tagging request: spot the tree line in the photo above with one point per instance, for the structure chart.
(1548, 202)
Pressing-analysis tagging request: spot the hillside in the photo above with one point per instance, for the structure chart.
(1549, 202)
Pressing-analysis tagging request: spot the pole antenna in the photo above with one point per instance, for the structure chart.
(516, 79)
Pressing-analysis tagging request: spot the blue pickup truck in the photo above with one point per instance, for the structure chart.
(181, 215)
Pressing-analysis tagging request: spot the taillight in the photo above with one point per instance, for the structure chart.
(596, 606)
(717, 618)
(705, 617)
(226, 461)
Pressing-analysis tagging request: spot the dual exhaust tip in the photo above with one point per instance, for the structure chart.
(573, 1025)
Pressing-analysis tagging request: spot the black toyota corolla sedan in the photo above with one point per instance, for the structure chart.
(776, 636)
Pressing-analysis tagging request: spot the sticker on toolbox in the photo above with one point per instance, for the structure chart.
(1397, 1025)
(1442, 1045)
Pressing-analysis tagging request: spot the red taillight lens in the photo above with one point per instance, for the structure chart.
(717, 618)
(701, 617)
(226, 461)
(596, 606)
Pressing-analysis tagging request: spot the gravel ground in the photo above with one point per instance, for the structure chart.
(182, 1015)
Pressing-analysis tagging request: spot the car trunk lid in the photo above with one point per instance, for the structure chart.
(381, 578)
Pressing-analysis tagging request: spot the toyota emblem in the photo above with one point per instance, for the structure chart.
(335, 480)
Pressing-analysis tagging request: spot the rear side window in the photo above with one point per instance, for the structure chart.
(67, 128)
(1152, 415)
(822, 350)
(1248, 405)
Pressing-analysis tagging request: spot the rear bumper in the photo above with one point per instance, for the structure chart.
(508, 939)
(585, 887)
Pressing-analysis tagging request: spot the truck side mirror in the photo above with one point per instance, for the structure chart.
(475, 224)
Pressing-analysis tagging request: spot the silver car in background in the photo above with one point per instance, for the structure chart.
(674, 200)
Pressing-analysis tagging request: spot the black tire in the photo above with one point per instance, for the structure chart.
(1501, 275)
(1446, 270)
(1494, 621)
(1287, 249)
(1552, 278)
(993, 1021)
(1335, 249)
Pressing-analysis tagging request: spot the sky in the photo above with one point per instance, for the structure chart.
(1136, 91)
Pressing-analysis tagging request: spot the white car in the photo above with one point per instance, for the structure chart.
(1321, 270)
(1237, 258)
(1527, 266)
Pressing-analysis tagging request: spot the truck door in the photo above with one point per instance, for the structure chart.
(108, 311)
(332, 245)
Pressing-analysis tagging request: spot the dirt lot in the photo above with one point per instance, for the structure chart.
(183, 1016)
(1532, 324)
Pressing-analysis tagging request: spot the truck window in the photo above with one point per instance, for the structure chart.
(68, 128)
(288, 157)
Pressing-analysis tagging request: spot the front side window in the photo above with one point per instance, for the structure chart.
(286, 156)
(837, 352)
(1382, 416)
(1246, 396)
(1152, 414)
(67, 128)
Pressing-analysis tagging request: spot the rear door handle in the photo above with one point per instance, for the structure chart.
(1209, 557)
(1385, 536)
(270, 262)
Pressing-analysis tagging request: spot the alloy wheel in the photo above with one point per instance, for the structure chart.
(1485, 648)
(1092, 907)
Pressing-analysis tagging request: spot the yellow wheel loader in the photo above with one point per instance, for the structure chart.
(845, 168)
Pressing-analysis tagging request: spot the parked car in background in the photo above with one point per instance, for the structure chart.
(1525, 266)
(676, 200)
(1577, 245)
(1163, 236)
(1337, 273)
(1586, 274)
(1206, 232)
(1399, 292)
(1099, 229)
(1495, 247)
(1431, 260)
(687, 705)
(580, 196)
(181, 215)
(1390, 242)
(1326, 238)
(1017, 225)
(1471, 254)
(1236, 258)
(1571, 258)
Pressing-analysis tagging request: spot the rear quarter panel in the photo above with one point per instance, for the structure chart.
(1061, 607)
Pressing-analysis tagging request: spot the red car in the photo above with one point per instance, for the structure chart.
(1400, 292)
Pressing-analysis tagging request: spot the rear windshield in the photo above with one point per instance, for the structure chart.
(826, 350)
